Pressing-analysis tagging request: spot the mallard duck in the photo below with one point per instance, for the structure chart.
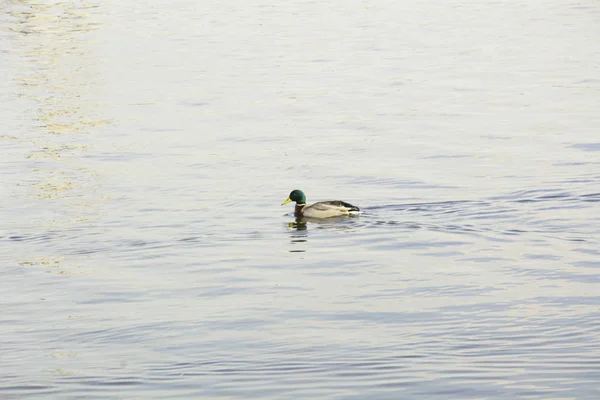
(323, 209)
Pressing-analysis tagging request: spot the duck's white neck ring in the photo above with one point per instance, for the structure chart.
(300, 204)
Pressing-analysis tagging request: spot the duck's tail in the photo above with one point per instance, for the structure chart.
(350, 207)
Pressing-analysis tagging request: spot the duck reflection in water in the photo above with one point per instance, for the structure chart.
(298, 236)
(299, 229)
(301, 224)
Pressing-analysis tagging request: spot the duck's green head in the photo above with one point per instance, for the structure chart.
(297, 196)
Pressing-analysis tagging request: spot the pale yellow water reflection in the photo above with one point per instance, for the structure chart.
(64, 84)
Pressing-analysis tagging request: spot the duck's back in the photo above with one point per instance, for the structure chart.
(340, 203)
(328, 209)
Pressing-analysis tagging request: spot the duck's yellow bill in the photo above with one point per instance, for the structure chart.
(287, 201)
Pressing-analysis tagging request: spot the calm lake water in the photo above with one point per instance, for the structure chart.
(145, 149)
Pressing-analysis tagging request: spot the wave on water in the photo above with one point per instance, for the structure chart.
(542, 211)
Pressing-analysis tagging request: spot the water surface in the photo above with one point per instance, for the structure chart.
(146, 148)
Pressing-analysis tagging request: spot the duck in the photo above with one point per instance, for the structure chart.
(323, 209)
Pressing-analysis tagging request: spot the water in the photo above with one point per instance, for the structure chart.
(145, 150)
